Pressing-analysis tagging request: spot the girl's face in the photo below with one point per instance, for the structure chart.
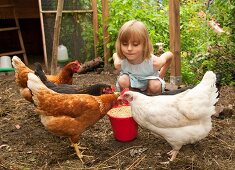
(133, 51)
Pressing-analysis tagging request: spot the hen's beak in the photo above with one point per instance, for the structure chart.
(117, 93)
(122, 101)
(120, 97)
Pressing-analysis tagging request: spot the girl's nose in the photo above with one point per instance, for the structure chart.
(129, 47)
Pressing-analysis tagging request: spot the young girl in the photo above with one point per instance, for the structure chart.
(139, 68)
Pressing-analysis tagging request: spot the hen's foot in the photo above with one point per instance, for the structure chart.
(80, 147)
(173, 154)
(79, 153)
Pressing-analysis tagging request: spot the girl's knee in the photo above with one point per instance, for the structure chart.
(124, 81)
(155, 87)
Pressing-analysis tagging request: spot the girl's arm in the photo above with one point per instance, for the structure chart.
(117, 62)
(163, 62)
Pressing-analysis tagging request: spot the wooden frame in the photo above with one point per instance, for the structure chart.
(174, 27)
(95, 28)
(105, 14)
(43, 35)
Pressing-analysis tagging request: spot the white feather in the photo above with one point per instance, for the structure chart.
(15, 61)
(34, 83)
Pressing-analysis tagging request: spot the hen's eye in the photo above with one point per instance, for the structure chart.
(126, 95)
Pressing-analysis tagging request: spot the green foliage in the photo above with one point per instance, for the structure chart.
(216, 51)
(147, 11)
(201, 48)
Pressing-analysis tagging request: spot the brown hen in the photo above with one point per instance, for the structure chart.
(68, 114)
(95, 89)
(65, 75)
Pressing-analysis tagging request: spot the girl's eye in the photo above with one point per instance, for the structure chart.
(132, 44)
(135, 43)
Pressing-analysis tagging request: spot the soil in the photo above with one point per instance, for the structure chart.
(26, 144)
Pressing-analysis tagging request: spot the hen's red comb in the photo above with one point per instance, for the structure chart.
(77, 62)
(113, 87)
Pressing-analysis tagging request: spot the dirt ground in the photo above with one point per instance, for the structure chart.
(25, 144)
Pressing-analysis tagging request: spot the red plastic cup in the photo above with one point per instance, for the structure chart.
(125, 129)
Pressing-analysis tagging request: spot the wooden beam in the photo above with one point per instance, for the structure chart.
(66, 11)
(9, 29)
(7, 6)
(174, 27)
(105, 14)
(95, 26)
(20, 38)
(43, 36)
(12, 53)
(57, 25)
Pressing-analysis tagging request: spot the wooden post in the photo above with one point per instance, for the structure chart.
(43, 34)
(105, 14)
(56, 36)
(174, 19)
(20, 38)
(95, 25)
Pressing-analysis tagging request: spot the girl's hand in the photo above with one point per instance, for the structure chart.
(117, 62)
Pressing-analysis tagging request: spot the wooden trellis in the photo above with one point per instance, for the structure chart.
(57, 27)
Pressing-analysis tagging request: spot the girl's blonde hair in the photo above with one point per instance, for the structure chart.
(136, 31)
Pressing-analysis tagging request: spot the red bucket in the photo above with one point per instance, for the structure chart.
(125, 129)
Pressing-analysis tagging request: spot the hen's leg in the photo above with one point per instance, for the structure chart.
(80, 147)
(173, 154)
(78, 152)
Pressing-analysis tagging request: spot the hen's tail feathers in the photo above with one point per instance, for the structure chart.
(210, 80)
(34, 83)
(39, 72)
(16, 62)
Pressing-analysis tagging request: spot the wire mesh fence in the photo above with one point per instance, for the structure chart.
(76, 32)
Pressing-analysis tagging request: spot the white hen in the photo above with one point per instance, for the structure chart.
(180, 119)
